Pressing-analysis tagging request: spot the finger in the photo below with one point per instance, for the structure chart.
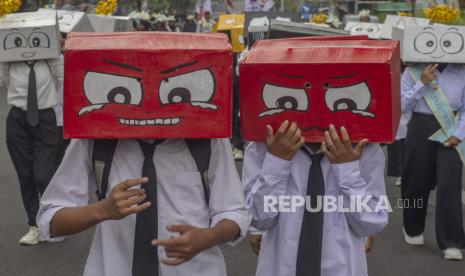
(269, 134)
(132, 192)
(282, 128)
(131, 183)
(346, 139)
(326, 152)
(176, 261)
(297, 135)
(433, 68)
(171, 242)
(299, 144)
(138, 208)
(173, 253)
(134, 200)
(447, 144)
(329, 142)
(335, 136)
(360, 146)
(182, 228)
(291, 131)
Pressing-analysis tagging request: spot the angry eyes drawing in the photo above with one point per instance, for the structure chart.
(354, 98)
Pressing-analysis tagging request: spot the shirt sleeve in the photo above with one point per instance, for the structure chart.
(3, 74)
(226, 197)
(363, 180)
(264, 178)
(69, 187)
(460, 130)
(411, 92)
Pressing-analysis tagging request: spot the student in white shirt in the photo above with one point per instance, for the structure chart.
(189, 230)
(31, 130)
(282, 167)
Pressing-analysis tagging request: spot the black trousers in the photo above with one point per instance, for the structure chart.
(62, 145)
(396, 156)
(429, 164)
(33, 152)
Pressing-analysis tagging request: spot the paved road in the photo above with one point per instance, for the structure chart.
(391, 256)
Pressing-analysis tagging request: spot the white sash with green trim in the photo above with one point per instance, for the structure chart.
(441, 109)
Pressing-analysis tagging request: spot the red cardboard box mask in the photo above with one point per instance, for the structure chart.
(147, 85)
(355, 84)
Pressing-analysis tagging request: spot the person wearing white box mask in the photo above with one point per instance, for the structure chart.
(31, 71)
(433, 88)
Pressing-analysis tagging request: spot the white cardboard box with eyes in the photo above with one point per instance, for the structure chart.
(29, 36)
(72, 21)
(432, 44)
(372, 30)
(401, 22)
(108, 24)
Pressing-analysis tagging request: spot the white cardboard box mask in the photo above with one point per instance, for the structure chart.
(433, 44)
(108, 24)
(72, 21)
(29, 36)
(372, 30)
(401, 22)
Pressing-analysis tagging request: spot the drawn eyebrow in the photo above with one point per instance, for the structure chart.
(14, 29)
(36, 29)
(342, 77)
(123, 65)
(167, 71)
(453, 28)
(290, 76)
(429, 28)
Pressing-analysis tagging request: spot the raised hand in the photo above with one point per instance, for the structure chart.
(123, 201)
(286, 142)
(429, 74)
(338, 151)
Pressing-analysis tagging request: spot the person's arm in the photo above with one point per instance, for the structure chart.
(266, 171)
(64, 207)
(360, 175)
(122, 201)
(57, 70)
(193, 240)
(411, 91)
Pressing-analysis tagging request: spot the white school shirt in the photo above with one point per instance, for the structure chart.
(344, 234)
(49, 76)
(180, 201)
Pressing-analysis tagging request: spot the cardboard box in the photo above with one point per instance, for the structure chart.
(29, 36)
(401, 22)
(72, 21)
(108, 24)
(258, 23)
(233, 26)
(348, 83)
(282, 29)
(432, 44)
(372, 30)
(147, 85)
(305, 41)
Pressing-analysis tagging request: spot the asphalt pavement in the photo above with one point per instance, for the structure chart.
(390, 255)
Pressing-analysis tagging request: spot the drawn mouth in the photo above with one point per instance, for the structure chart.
(438, 57)
(28, 54)
(150, 122)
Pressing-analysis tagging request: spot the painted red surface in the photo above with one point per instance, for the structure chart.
(147, 85)
(302, 41)
(355, 84)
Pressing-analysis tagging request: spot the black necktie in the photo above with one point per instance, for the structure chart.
(145, 257)
(32, 112)
(311, 234)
